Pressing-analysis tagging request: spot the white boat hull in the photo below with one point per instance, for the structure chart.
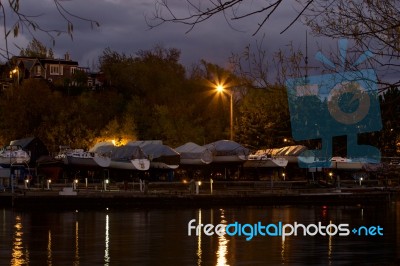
(161, 165)
(141, 164)
(14, 160)
(266, 163)
(350, 164)
(87, 159)
(102, 161)
(136, 164)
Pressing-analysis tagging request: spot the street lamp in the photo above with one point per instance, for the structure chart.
(13, 72)
(105, 184)
(75, 183)
(220, 88)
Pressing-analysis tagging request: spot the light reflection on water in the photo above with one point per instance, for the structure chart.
(283, 251)
(160, 237)
(76, 260)
(107, 242)
(199, 241)
(18, 255)
(49, 252)
(222, 251)
(330, 244)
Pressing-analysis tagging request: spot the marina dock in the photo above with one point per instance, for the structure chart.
(173, 195)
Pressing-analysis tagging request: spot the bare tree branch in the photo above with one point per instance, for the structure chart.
(372, 25)
(201, 11)
(29, 22)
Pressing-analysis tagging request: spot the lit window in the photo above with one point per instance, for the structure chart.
(38, 70)
(56, 70)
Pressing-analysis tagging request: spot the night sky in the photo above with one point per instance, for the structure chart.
(123, 28)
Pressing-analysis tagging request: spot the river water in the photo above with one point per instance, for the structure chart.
(160, 237)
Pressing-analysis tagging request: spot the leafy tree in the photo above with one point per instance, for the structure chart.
(216, 105)
(158, 95)
(119, 131)
(264, 118)
(34, 109)
(389, 135)
(117, 69)
(263, 113)
(79, 78)
(82, 119)
(28, 109)
(36, 49)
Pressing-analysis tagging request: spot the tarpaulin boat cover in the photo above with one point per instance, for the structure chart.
(161, 153)
(103, 148)
(191, 150)
(226, 148)
(126, 152)
(294, 150)
(142, 143)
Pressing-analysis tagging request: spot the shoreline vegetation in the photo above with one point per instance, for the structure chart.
(179, 194)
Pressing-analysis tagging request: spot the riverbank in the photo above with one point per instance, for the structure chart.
(156, 197)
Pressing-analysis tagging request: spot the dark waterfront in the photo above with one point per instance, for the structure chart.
(160, 237)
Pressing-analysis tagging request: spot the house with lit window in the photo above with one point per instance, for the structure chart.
(47, 68)
(57, 71)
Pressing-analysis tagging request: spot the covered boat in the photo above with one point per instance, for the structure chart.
(354, 163)
(262, 158)
(290, 153)
(193, 154)
(33, 146)
(13, 154)
(227, 151)
(161, 156)
(79, 157)
(128, 157)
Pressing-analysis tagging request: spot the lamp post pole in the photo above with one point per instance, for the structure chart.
(231, 120)
(16, 71)
(221, 89)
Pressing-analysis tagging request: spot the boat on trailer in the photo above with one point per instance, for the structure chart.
(81, 157)
(129, 157)
(262, 158)
(13, 154)
(193, 154)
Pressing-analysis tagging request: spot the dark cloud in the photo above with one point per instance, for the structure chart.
(123, 28)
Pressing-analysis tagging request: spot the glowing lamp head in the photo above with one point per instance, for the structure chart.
(220, 88)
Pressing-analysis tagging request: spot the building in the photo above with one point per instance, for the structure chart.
(46, 68)
(57, 71)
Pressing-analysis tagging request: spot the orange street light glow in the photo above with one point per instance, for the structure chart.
(220, 88)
